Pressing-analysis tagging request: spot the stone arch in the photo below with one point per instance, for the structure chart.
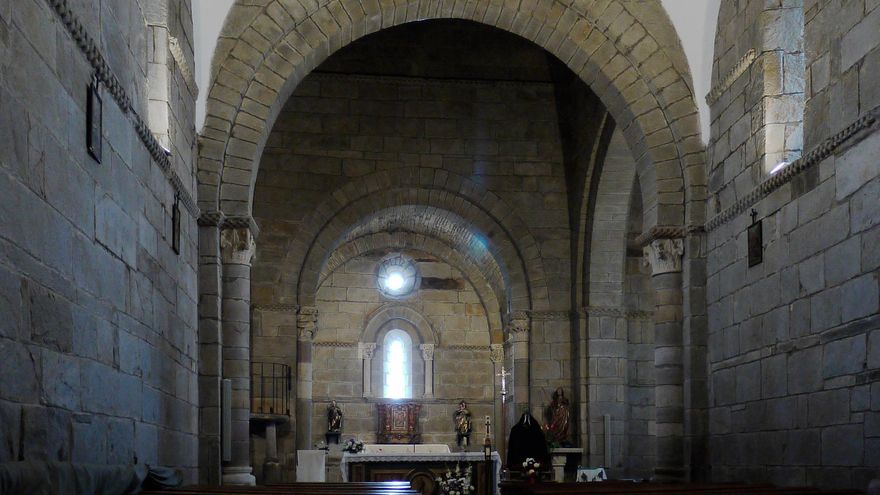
(515, 250)
(378, 320)
(627, 52)
(489, 292)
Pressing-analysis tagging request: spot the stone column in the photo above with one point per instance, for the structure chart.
(499, 428)
(365, 353)
(428, 357)
(664, 257)
(237, 246)
(518, 333)
(306, 324)
(210, 349)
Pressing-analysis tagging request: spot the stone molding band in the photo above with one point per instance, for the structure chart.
(617, 312)
(279, 308)
(105, 75)
(215, 218)
(815, 156)
(403, 80)
(667, 232)
(732, 75)
(333, 343)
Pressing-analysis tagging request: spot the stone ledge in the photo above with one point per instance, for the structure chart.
(814, 157)
(105, 75)
(732, 75)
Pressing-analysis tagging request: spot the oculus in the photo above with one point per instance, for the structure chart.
(397, 276)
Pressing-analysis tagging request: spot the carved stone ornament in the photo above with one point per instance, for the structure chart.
(496, 352)
(664, 255)
(366, 350)
(237, 246)
(307, 322)
(427, 351)
(519, 322)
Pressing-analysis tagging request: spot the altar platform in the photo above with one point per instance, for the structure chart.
(420, 465)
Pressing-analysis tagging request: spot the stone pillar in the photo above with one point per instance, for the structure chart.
(237, 247)
(365, 353)
(664, 257)
(271, 466)
(210, 350)
(306, 324)
(428, 357)
(518, 333)
(500, 429)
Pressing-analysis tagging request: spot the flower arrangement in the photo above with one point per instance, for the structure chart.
(455, 482)
(530, 469)
(353, 446)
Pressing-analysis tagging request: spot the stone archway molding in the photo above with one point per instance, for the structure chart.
(628, 55)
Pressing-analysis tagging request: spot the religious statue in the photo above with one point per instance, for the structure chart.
(334, 418)
(558, 414)
(463, 425)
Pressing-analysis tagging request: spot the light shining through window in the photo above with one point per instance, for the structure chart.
(395, 282)
(397, 368)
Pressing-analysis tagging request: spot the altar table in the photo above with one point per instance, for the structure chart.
(420, 469)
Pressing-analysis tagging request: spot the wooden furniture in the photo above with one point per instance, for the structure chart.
(631, 488)
(421, 470)
(398, 423)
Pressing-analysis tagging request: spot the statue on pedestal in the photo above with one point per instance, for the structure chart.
(559, 415)
(334, 423)
(463, 425)
(334, 418)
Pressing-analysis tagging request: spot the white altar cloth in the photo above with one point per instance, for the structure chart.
(421, 457)
(310, 465)
(396, 448)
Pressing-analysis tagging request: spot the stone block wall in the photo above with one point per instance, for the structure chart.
(98, 312)
(338, 128)
(793, 344)
(462, 369)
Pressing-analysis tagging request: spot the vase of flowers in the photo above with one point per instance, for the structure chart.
(456, 482)
(353, 446)
(530, 469)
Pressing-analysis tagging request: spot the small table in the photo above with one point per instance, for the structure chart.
(558, 458)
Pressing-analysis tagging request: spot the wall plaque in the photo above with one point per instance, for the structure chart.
(94, 124)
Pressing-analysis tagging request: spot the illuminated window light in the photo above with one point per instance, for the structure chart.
(778, 167)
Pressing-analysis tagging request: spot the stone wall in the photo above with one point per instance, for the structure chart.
(98, 312)
(793, 354)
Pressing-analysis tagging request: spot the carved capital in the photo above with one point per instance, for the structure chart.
(237, 246)
(307, 322)
(366, 350)
(427, 351)
(664, 255)
(496, 352)
(518, 322)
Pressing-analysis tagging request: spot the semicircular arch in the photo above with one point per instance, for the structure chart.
(620, 49)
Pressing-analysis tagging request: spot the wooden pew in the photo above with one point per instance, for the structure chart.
(359, 488)
(631, 488)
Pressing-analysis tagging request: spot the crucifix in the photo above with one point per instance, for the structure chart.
(504, 374)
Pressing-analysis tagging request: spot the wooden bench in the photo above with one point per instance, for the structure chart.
(360, 488)
(646, 488)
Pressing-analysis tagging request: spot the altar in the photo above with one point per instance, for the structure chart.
(419, 466)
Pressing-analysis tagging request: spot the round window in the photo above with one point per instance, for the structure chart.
(397, 276)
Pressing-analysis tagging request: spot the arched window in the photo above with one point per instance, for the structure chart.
(397, 365)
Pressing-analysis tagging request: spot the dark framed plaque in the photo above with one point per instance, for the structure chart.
(175, 226)
(756, 242)
(94, 124)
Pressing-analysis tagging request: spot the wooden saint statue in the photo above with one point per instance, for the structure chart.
(463, 425)
(334, 418)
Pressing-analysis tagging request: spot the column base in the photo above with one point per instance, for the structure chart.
(238, 475)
